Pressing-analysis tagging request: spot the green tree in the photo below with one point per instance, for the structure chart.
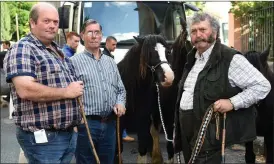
(200, 5)
(22, 9)
(5, 22)
(243, 9)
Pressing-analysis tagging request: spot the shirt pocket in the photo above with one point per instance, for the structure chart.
(213, 85)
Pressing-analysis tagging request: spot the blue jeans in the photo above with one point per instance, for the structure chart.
(60, 147)
(103, 135)
(124, 135)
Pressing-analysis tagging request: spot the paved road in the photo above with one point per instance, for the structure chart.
(10, 149)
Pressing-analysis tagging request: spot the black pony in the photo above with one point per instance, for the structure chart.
(265, 107)
(143, 66)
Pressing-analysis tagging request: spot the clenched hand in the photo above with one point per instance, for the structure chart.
(74, 89)
(119, 110)
(223, 106)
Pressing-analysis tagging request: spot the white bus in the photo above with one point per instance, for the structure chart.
(123, 20)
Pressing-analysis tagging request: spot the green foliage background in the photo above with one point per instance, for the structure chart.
(8, 21)
(243, 9)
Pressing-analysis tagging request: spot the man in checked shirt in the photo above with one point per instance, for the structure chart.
(44, 89)
(104, 97)
(217, 74)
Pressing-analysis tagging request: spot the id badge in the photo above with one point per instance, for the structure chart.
(40, 136)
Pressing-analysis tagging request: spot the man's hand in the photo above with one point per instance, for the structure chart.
(119, 110)
(74, 89)
(223, 106)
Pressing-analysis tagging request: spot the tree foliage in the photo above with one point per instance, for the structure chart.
(8, 19)
(200, 5)
(242, 9)
(5, 22)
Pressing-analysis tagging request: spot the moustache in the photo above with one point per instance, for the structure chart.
(209, 40)
(201, 40)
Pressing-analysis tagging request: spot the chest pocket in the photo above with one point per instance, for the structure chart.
(214, 85)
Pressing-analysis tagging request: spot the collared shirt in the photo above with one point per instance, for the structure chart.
(103, 87)
(68, 51)
(29, 57)
(241, 74)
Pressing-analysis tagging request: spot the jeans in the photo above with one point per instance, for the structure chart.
(103, 135)
(124, 135)
(60, 147)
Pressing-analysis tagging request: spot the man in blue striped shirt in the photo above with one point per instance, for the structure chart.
(104, 96)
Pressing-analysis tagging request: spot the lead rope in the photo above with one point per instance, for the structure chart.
(202, 132)
(163, 124)
(161, 115)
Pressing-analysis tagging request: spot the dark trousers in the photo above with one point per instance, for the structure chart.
(103, 136)
(187, 125)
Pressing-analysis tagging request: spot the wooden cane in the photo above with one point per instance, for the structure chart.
(223, 139)
(88, 131)
(118, 139)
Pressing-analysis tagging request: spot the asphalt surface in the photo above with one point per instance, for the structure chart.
(10, 149)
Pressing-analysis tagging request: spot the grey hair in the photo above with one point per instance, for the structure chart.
(202, 16)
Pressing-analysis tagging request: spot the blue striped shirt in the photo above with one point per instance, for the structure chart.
(103, 87)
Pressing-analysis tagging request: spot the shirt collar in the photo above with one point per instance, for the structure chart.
(38, 43)
(205, 55)
(87, 52)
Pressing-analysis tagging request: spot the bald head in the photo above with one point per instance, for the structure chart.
(34, 12)
(44, 22)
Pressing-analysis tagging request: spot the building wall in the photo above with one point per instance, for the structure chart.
(234, 32)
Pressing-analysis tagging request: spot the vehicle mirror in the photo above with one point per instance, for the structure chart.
(63, 17)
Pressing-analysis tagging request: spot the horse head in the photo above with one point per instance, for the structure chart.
(154, 52)
(259, 60)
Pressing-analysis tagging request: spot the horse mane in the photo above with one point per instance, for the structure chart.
(129, 66)
(133, 67)
(180, 48)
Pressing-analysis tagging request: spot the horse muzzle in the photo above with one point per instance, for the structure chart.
(169, 77)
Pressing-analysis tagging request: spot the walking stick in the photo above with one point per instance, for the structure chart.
(223, 141)
(118, 139)
(88, 131)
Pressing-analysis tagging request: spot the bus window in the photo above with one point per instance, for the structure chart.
(119, 19)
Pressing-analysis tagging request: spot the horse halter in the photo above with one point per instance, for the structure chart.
(153, 68)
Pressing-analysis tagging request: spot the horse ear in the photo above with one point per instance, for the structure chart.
(140, 40)
(265, 53)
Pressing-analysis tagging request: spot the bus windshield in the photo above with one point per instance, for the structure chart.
(123, 20)
(119, 19)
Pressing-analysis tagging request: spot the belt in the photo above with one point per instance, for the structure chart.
(69, 129)
(100, 118)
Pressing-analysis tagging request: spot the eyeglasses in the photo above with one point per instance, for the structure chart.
(94, 33)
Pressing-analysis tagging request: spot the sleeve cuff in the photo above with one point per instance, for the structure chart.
(237, 104)
(9, 77)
